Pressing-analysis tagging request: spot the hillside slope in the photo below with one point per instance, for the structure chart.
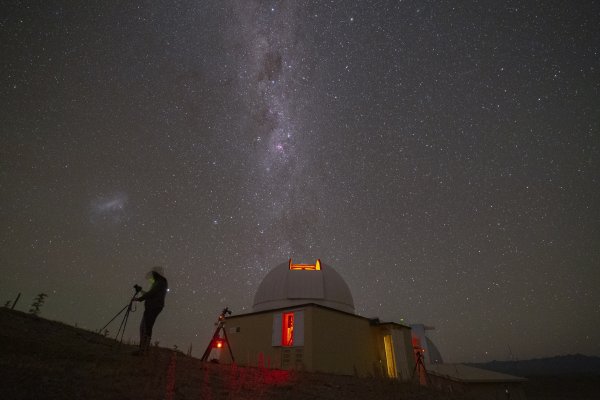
(42, 359)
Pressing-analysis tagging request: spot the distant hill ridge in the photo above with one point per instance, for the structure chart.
(572, 364)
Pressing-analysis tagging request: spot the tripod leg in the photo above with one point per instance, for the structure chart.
(124, 323)
(209, 347)
(113, 318)
(206, 352)
(121, 327)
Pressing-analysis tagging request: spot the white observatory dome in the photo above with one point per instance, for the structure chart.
(291, 284)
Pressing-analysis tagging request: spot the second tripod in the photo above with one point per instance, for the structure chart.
(217, 340)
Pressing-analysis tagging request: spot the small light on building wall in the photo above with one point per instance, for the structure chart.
(306, 267)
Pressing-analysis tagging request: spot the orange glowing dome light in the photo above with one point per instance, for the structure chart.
(306, 267)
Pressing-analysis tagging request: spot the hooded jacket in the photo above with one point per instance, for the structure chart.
(155, 297)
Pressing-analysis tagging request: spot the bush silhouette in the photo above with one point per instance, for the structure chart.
(38, 302)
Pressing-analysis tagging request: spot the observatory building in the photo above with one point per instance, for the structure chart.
(303, 318)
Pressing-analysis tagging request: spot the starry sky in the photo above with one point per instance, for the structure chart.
(442, 156)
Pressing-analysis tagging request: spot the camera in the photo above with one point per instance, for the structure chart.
(224, 314)
(137, 288)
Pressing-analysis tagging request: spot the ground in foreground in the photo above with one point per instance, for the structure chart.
(43, 359)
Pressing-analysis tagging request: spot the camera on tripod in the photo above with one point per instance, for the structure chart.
(223, 315)
(137, 288)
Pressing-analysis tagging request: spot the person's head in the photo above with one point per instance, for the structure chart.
(152, 274)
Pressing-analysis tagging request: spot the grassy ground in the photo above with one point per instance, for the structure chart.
(41, 359)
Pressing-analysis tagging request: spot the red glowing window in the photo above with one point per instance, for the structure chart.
(287, 329)
(306, 267)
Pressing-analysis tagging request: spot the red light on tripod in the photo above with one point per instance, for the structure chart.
(219, 343)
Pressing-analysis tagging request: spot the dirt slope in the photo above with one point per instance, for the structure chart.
(41, 359)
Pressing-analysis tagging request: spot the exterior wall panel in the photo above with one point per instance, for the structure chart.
(405, 360)
(250, 338)
(333, 342)
(343, 344)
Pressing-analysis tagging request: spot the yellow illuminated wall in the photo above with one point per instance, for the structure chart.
(389, 356)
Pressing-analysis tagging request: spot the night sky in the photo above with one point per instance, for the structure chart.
(442, 156)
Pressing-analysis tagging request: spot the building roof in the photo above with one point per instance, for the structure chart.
(372, 321)
(465, 373)
(290, 284)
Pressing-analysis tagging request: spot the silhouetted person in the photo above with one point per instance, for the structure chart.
(154, 301)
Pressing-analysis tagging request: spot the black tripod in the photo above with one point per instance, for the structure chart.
(216, 340)
(128, 307)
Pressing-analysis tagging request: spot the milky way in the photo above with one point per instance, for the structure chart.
(442, 156)
(271, 59)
